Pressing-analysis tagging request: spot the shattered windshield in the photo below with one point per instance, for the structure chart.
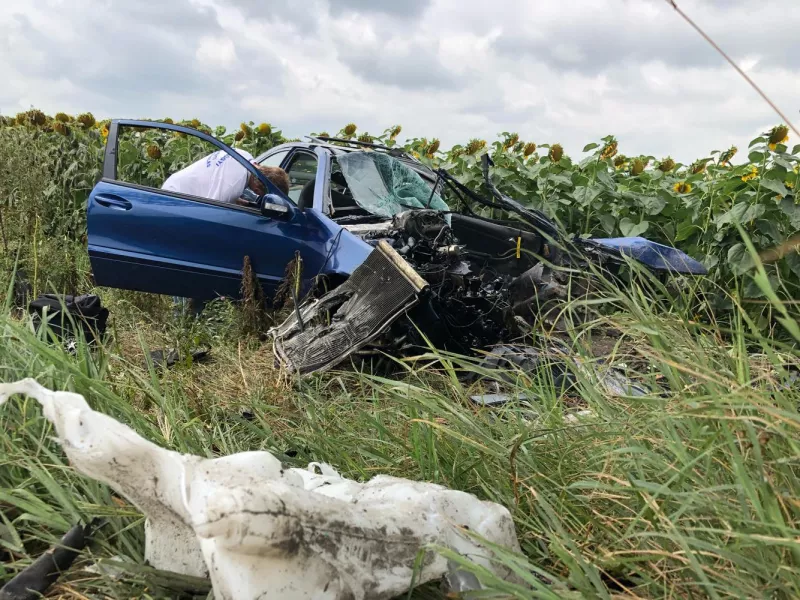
(384, 186)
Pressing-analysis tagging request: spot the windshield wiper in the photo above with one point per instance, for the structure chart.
(433, 190)
(537, 218)
(532, 216)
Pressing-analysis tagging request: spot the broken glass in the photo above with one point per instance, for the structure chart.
(384, 186)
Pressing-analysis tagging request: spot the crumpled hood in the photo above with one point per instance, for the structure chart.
(652, 254)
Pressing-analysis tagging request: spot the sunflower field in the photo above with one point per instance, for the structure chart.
(48, 166)
(689, 490)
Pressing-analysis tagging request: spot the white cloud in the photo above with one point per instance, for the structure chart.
(568, 71)
(216, 52)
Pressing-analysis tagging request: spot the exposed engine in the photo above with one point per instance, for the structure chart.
(482, 276)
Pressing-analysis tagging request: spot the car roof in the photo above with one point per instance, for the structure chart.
(354, 146)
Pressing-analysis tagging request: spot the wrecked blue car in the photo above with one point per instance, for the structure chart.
(370, 221)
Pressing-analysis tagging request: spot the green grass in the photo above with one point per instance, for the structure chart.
(689, 491)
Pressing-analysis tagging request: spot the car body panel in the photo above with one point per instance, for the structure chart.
(157, 241)
(654, 255)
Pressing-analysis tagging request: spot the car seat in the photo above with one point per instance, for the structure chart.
(306, 197)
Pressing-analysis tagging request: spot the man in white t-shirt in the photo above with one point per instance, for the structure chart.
(219, 177)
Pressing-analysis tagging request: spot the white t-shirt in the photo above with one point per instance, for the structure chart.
(217, 177)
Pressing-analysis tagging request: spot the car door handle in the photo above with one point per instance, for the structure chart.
(113, 201)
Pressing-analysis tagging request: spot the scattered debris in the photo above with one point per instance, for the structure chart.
(34, 581)
(498, 399)
(258, 528)
(70, 317)
(107, 567)
(169, 358)
(506, 364)
(23, 289)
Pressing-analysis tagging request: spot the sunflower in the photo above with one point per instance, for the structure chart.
(698, 167)
(239, 136)
(475, 145)
(556, 152)
(637, 167)
(620, 161)
(87, 120)
(154, 152)
(246, 130)
(350, 129)
(666, 165)
(63, 117)
(104, 131)
(195, 123)
(366, 138)
(778, 135)
(682, 187)
(726, 156)
(37, 117)
(168, 121)
(529, 149)
(751, 175)
(265, 129)
(433, 148)
(789, 184)
(511, 141)
(395, 131)
(609, 150)
(60, 127)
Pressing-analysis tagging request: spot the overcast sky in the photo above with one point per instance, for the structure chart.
(566, 71)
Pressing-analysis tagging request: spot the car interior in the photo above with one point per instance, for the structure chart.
(302, 171)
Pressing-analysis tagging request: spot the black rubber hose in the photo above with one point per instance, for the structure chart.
(33, 582)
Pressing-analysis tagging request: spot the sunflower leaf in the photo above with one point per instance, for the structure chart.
(631, 229)
(774, 185)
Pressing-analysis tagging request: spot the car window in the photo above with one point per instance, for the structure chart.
(179, 163)
(274, 160)
(385, 186)
(301, 170)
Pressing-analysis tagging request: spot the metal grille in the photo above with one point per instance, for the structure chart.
(344, 320)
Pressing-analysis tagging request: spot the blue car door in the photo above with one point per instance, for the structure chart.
(152, 240)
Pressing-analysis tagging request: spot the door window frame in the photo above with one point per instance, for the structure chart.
(296, 153)
(287, 152)
(109, 173)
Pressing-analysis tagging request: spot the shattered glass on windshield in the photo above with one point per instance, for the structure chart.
(384, 186)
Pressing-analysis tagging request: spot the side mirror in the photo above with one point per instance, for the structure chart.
(274, 208)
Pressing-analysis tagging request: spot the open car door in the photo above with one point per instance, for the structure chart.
(144, 238)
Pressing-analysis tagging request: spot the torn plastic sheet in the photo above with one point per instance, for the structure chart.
(260, 529)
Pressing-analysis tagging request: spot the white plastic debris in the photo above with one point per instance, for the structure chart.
(260, 530)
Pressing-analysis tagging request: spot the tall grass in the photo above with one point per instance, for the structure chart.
(688, 491)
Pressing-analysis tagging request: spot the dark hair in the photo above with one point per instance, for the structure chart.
(276, 175)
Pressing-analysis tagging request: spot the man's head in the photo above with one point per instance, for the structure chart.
(276, 175)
